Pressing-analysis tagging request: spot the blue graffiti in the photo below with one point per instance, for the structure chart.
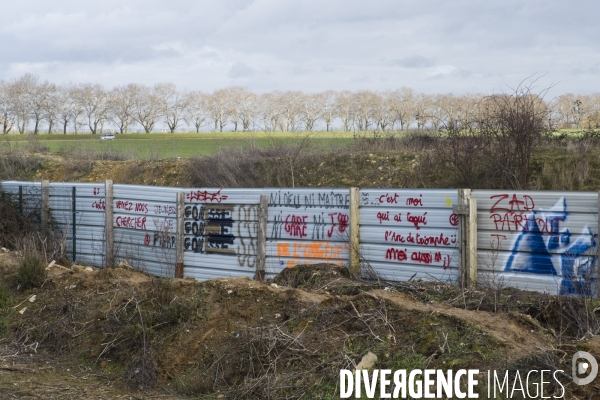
(531, 252)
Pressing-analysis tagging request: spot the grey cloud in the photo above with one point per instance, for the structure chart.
(413, 62)
(309, 45)
(593, 69)
(240, 70)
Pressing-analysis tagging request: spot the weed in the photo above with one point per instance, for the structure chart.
(32, 272)
(5, 299)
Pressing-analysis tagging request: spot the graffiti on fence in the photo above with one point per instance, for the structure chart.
(332, 225)
(421, 239)
(322, 250)
(317, 199)
(222, 229)
(419, 257)
(545, 244)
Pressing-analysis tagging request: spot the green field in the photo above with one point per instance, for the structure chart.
(152, 146)
(161, 145)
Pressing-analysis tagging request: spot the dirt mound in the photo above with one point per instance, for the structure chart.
(518, 334)
(329, 278)
(168, 172)
(243, 339)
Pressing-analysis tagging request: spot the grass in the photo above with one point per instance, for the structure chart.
(149, 146)
(185, 145)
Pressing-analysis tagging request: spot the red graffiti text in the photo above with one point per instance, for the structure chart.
(295, 225)
(131, 222)
(417, 220)
(204, 195)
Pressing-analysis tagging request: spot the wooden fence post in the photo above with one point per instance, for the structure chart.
(261, 252)
(74, 223)
(354, 231)
(109, 232)
(45, 212)
(467, 233)
(597, 263)
(472, 244)
(180, 235)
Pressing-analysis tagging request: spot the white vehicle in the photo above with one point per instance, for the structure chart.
(108, 136)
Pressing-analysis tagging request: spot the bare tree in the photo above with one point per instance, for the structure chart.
(146, 108)
(6, 115)
(65, 104)
(39, 102)
(565, 113)
(401, 103)
(289, 111)
(21, 91)
(592, 120)
(122, 107)
(50, 104)
(172, 104)
(219, 106)
(196, 112)
(420, 109)
(515, 124)
(268, 111)
(381, 111)
(363, 105)
(328, 108)
(247, 110)
(76, 93)
(94, 101)
(345, 109)
(25, 102)
(237, 100)
(310, 109)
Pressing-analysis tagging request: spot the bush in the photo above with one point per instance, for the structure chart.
(5, 299)
(32, 272)
(13, 224)
(280, 164)
(16, 164)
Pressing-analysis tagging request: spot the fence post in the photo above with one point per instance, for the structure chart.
(21, 200)
(597, 277)
(354, 231)
(180, 235)
(109, 231)
(74, 223)
(45, 206)
(261, 252)
(472, 243)
(21, 207)
(467, 233)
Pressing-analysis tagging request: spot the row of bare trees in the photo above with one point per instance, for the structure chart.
(28, 104)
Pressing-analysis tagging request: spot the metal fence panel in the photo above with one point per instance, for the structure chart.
(145, 227)
(410, 233)
(306, 226)
(220, 232)
(538, 240)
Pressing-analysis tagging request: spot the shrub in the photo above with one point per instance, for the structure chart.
(15, 163)
(13, 224)
(280, 164)
(5, 299)
(32, 272)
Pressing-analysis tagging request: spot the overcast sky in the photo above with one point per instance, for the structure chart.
(433, 46)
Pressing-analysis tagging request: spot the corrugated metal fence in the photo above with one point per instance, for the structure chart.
(543, 241)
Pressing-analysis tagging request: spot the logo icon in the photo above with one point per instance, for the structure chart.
(584, 363)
